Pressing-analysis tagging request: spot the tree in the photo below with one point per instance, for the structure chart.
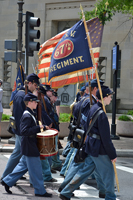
(110, 7)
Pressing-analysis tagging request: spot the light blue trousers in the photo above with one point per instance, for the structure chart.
(56, 162)
(33, 165)
(46, 170)
(67, 162)
(105, 170)
(14, 158)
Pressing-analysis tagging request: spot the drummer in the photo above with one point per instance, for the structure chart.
(30, 160)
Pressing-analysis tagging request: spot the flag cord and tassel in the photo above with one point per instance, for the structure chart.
(99, 86)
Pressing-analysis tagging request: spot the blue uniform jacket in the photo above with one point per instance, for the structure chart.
(52, 113)
(101, 127)
(45, 117)
(18, 108)
(28, 131)
(86, 108)
(84, 104)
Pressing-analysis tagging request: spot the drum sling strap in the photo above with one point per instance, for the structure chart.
(26, 111)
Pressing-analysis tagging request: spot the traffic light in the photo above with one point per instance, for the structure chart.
(10, 55)
(102, 68)
(6, 71)
(31, 33)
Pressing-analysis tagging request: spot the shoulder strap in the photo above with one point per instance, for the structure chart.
(26, 111)
(78, 121)
(96, 114)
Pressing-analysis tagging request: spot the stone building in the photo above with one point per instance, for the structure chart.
(57, 15)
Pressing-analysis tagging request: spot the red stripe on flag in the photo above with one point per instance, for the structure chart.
(43, 75)
(48, 47)
(44, 65)
(96, 55)
(74, 80)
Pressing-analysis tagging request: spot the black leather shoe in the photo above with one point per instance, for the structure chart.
(63, 197)
(53, 171)
(23, 178)
(6, 187)
(51, 180)
(44, 195)
(101, 195)
(60, 189)
(62, 175)
(57, 168)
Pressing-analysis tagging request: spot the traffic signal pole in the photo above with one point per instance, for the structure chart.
(20, 25)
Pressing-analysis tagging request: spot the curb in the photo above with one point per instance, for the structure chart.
(6, 149)
(120, 152)
(124, 152)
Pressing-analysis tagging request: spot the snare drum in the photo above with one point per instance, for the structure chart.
(47, 143)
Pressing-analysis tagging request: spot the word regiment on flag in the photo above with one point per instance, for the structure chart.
(71, 54)
(18, 83)
(45, 59)
(95, 28)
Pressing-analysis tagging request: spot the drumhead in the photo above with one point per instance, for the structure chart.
(48, 133)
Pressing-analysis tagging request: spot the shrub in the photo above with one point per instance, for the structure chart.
(130, 112)
(64, 117)
(124, 118)
(5, 117)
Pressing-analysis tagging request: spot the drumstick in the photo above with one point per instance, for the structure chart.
(40, 123)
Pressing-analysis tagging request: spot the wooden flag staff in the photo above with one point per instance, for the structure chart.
(99, 86)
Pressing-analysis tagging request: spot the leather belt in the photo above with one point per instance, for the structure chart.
(95, 136)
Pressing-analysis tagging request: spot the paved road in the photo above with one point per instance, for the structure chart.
(88, 190)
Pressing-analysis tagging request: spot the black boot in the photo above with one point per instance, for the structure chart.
(101, 195)
(44, 195)
(63, 197)
(6, 187)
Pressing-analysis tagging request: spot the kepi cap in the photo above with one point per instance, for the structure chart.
(42, 89)
(94, 83)
(33, 78)
(30, 97)
(48, 88)
(82, 89)
(106, 91)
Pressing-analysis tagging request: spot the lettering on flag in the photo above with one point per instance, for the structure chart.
(47, 48)
(71, 54)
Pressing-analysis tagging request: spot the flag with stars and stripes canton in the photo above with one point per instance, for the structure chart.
(95, 28)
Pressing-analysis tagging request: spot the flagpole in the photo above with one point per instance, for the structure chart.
(99, 86)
